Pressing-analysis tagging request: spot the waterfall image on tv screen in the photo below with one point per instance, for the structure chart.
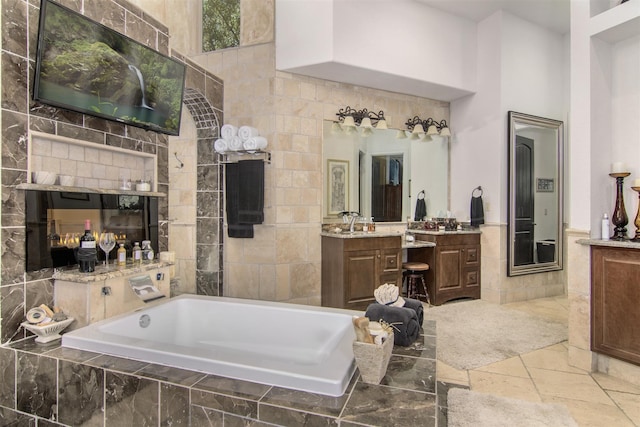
(86, 67)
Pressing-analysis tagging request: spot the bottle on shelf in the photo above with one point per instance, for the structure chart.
(87, 252)
(147, 251)
(122, 255)
(54, 237)
(137, 253)
(372, 225)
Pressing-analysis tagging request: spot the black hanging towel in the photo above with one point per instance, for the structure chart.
(477, 210)
(232, 199)
(421, 207)
(251, 200)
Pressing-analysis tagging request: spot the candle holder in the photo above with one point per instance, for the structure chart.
(637, 221)
(619, 218)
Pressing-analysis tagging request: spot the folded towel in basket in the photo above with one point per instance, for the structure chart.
(415, 305)
(404, 321)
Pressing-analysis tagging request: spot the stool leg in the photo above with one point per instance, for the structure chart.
(424, 287)
(405, 285)
(411, 289)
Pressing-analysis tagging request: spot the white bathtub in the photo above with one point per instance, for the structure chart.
(287, 345)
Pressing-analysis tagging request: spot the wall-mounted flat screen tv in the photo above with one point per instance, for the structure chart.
(83, 66)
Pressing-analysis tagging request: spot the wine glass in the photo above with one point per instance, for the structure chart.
(107, 243)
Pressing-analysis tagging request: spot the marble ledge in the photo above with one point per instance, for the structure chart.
(627, 244)
(42, 187)
(103, 273)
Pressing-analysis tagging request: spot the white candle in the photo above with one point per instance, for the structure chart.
(618, 167)
(636, 183)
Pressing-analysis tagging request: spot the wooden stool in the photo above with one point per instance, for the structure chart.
(414, 272)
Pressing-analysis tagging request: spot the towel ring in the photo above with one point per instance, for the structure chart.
(478, 188)
(421, 193)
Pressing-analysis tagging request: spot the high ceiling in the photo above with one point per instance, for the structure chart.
(551, 14)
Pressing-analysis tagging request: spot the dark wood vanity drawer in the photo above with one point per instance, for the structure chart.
(390, 261)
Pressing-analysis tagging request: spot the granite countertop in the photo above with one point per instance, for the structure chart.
(103, 273)
(417, 244)
(441, 233)
(629, 244)
(360, 234)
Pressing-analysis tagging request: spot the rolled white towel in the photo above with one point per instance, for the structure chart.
(250, 145)
(228, 131)
(246, 132)
(220, 146)
(235, 143)
(260, 142)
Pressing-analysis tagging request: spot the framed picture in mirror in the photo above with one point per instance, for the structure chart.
(545, 185)
(337, 186)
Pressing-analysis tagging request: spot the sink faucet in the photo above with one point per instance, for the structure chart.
(352, 217)
(352, 222)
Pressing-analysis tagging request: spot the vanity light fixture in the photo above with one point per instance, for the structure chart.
(349, 118)
(401, 134)
(417, 128)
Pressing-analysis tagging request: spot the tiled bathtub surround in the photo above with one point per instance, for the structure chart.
(72, 386)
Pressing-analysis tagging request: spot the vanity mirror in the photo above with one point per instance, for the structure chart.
(535, 194)
(380, 175)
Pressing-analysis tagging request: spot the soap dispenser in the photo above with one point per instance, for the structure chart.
(605, 227)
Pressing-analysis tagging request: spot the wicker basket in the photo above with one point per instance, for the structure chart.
(50, 332)
(372, 359)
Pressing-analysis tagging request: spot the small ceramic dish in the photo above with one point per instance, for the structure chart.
(49, 332)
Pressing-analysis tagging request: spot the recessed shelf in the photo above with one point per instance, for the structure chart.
(42, 187)
(618, 23)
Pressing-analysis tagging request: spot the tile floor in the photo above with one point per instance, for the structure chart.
(544, 375)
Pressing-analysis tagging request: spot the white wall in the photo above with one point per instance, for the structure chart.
(357, 41)
(477, 150)
(520, 68)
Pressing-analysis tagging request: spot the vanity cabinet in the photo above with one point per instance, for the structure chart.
(454, 265)
(615, 292)
(353, 267)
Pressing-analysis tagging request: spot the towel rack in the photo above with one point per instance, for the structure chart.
(236, 156)
(478, 188)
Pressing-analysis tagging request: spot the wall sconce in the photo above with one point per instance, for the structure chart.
(349, 118)
(417, 128)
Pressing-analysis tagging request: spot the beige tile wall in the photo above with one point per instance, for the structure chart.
(282, 261)
(497, 287)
